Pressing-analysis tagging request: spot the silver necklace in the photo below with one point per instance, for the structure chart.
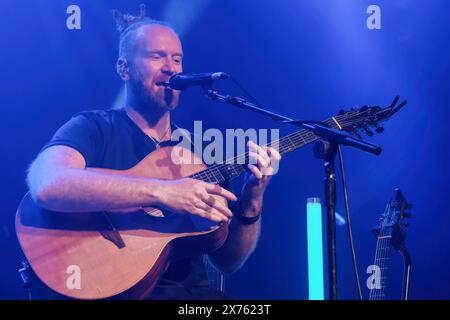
(157, 142)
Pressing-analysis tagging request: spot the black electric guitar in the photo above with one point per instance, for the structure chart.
(390, 235)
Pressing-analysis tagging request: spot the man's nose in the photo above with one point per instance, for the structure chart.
(169, 67)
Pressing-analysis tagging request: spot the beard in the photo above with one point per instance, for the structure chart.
(153, 99)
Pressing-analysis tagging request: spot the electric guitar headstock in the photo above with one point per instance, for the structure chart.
(390, 234)
(392, 220)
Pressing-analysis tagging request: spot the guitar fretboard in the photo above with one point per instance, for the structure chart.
(382, 259)
(234, 167)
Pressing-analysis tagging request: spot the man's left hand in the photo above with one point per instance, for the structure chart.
(264, 163)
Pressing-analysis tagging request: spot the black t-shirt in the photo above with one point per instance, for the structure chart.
(110, 139)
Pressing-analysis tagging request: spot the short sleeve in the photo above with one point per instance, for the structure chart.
(83, 133)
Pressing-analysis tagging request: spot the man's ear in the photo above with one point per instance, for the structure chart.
(122, 69)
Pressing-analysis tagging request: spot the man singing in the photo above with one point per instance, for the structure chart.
(150, 53)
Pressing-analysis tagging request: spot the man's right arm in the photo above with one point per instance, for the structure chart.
(58, 180)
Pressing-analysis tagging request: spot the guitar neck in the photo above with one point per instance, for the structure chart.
(382, 259)
(234, 167)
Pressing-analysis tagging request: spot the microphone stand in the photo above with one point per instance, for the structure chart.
(325, 150)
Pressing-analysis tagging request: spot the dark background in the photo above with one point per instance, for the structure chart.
(306, 59)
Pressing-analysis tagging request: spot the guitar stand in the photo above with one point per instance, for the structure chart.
(406, 272)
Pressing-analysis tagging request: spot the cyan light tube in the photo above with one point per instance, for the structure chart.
(315, 249)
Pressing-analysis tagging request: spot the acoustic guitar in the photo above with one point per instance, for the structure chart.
(101, 255)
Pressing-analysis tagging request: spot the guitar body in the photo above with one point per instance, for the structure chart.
(120, 254)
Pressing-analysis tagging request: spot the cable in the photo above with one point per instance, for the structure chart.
(245, 91)
(349, 226)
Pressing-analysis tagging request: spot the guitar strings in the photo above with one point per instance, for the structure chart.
(211, 174)
(372, 289)
(218, 168)
(381, 263)
(387, 247)
(303, 136)
(383, 249)
(373, 292)
(377, 263)
(386, 253)
(384, 260)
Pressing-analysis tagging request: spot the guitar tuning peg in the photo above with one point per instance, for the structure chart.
(368, 132)
(379, 129)
(405, 224)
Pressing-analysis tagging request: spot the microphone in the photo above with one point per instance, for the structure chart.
(181, 81)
